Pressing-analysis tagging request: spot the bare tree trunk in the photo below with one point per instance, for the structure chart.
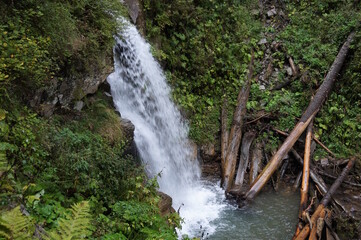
(306, 170)
(224, 135)
(325, 200)
(244, 158)
(310, 112)
(256, 161)
(235, 135)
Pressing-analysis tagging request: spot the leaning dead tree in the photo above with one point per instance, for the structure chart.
(305, 120)
(231, 146)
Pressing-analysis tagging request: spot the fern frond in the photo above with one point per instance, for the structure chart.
(14, 225)
(76, 226)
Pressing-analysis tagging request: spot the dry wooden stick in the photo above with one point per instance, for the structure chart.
(313, 136)
(333, 177)
(326, 199)
(323, 146)
(306, 170)
(305, 176)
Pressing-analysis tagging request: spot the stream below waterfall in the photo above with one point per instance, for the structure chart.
(272, 215)
(141, 94)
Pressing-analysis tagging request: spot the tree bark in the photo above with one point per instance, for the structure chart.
(306, 171)
(235, 135)
(325, 200)
(224, 134)
(256, 161)
(310, 112)
(244, 158)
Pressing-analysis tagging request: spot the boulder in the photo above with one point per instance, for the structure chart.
(208, 152)
(136, 13)
(193, 150)
(165, 204)
(133, 9)
(78, 106)
(272, 12)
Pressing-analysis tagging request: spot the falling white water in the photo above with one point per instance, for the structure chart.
(141, 94)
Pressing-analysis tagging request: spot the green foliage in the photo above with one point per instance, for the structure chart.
(76, 225)
(24, 57)
(15, 225)
(313, 37)
(205, 46)
(316, 31)
(39, 39)
(138, 216)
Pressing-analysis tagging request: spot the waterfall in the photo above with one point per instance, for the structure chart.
(141, 94)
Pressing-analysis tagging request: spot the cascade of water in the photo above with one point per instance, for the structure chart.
(141, 94)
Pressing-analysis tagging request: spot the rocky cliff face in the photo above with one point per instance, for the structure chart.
(135, 9)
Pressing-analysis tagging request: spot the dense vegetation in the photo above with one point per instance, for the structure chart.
(74, 168)
(69, 176)
(206, 54)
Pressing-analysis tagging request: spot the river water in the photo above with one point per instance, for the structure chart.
(141, 94)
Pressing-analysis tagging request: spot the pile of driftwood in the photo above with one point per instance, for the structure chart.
(233, 179)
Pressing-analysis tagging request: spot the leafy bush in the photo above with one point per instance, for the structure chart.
(39, 39)
(205, 46)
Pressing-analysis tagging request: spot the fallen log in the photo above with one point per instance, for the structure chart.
(306, 118)
(244, 158)
(235, 134)
(325, 200)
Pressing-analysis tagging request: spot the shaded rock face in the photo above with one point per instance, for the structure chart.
(165, 204)
(208, 152)
(66, 92)
(210, 161)
(135, 10)
(128, 129)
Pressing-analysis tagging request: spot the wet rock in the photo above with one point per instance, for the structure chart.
(324, 162)
(289, 71)
(262, 41)
(208, 152)
(193, 150)
(272, 12)
(133, 9)
(165, 204)
(78, 106)
(211, 170)
(127, 128)
(136, 13)
(62, 93)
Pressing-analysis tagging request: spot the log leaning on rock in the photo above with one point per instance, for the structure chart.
(306, 118)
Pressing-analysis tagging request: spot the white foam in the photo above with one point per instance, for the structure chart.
(141, 94)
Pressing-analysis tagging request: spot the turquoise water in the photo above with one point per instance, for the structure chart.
(272, 215)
